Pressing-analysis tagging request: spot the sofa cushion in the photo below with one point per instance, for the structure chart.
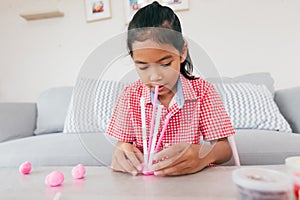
(92, 105)
(251, 106)
(288, 101)
(255, 147)
(260, 78)
(17, 120)
(52, 106)
(260, 147)
(58, 149)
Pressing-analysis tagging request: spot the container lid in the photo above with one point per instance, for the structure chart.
(261, 179)
(293, 162)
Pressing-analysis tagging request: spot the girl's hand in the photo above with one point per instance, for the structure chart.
(179, 159)
(127, 158)
(184, 158)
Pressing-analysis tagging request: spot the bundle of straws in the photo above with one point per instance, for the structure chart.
(152, 148)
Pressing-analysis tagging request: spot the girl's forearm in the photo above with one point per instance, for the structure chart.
(220, 152)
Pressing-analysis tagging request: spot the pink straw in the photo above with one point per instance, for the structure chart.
(153, 118)
(155, 134)
(162, 133)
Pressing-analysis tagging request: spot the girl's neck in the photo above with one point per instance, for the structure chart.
(165, 101)
(166, 98)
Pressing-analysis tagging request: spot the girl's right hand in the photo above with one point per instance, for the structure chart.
(127, 158)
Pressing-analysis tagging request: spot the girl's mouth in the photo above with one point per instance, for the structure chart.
(160, 88)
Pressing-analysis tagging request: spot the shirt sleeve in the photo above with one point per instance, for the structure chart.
(120, 125)
(214, 120)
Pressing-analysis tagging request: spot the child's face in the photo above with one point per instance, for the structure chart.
(158, 64)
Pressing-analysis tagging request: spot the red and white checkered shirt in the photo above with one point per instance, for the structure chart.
(202, 114)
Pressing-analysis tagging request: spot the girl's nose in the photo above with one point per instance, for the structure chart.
(155, 76)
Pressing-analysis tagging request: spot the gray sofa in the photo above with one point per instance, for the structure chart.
(33, 132)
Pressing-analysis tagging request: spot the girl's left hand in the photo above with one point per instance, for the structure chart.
(180, 159)
(184, 158)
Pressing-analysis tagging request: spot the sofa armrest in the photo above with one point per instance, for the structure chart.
(17, 120)
(288, 101)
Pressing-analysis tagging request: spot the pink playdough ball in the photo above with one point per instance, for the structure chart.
(78, 171)
(146, 171)
(25, 167)
(55, 178)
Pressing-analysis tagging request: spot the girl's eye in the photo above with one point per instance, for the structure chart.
(143, 68)
(166, 65)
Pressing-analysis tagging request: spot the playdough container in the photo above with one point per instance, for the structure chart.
(296, 182)
(293, 167)
(262, 184)
(293, 164)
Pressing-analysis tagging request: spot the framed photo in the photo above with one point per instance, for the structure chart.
(97, 10)
(132, 6)
(176, 5)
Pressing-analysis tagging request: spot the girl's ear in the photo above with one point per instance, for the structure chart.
(183, 53)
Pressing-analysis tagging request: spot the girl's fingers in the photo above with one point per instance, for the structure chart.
(139, 154)
(116, 167)
(120, 161)
(126, 164)
(178, 169)
(133, 159)
(168, 162)
(132, 155)
(115, 164)
(183, 152)
(171, 152)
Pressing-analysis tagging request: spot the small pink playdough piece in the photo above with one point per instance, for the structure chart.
(146, 171)
(78, 171)
(55, 178)
(25, 167)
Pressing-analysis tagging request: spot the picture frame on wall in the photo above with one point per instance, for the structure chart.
(132, 6)
(176, 5)
(97, 10)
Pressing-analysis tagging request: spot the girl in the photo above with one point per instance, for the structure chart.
(161, 56)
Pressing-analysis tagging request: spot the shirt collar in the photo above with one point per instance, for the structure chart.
(146, 94)
(184, 92)
(187, 89)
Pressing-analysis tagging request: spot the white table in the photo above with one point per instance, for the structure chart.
(102, 183)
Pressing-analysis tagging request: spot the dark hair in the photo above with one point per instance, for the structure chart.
(162, 25)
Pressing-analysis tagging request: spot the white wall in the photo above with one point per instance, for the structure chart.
(241, 36)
